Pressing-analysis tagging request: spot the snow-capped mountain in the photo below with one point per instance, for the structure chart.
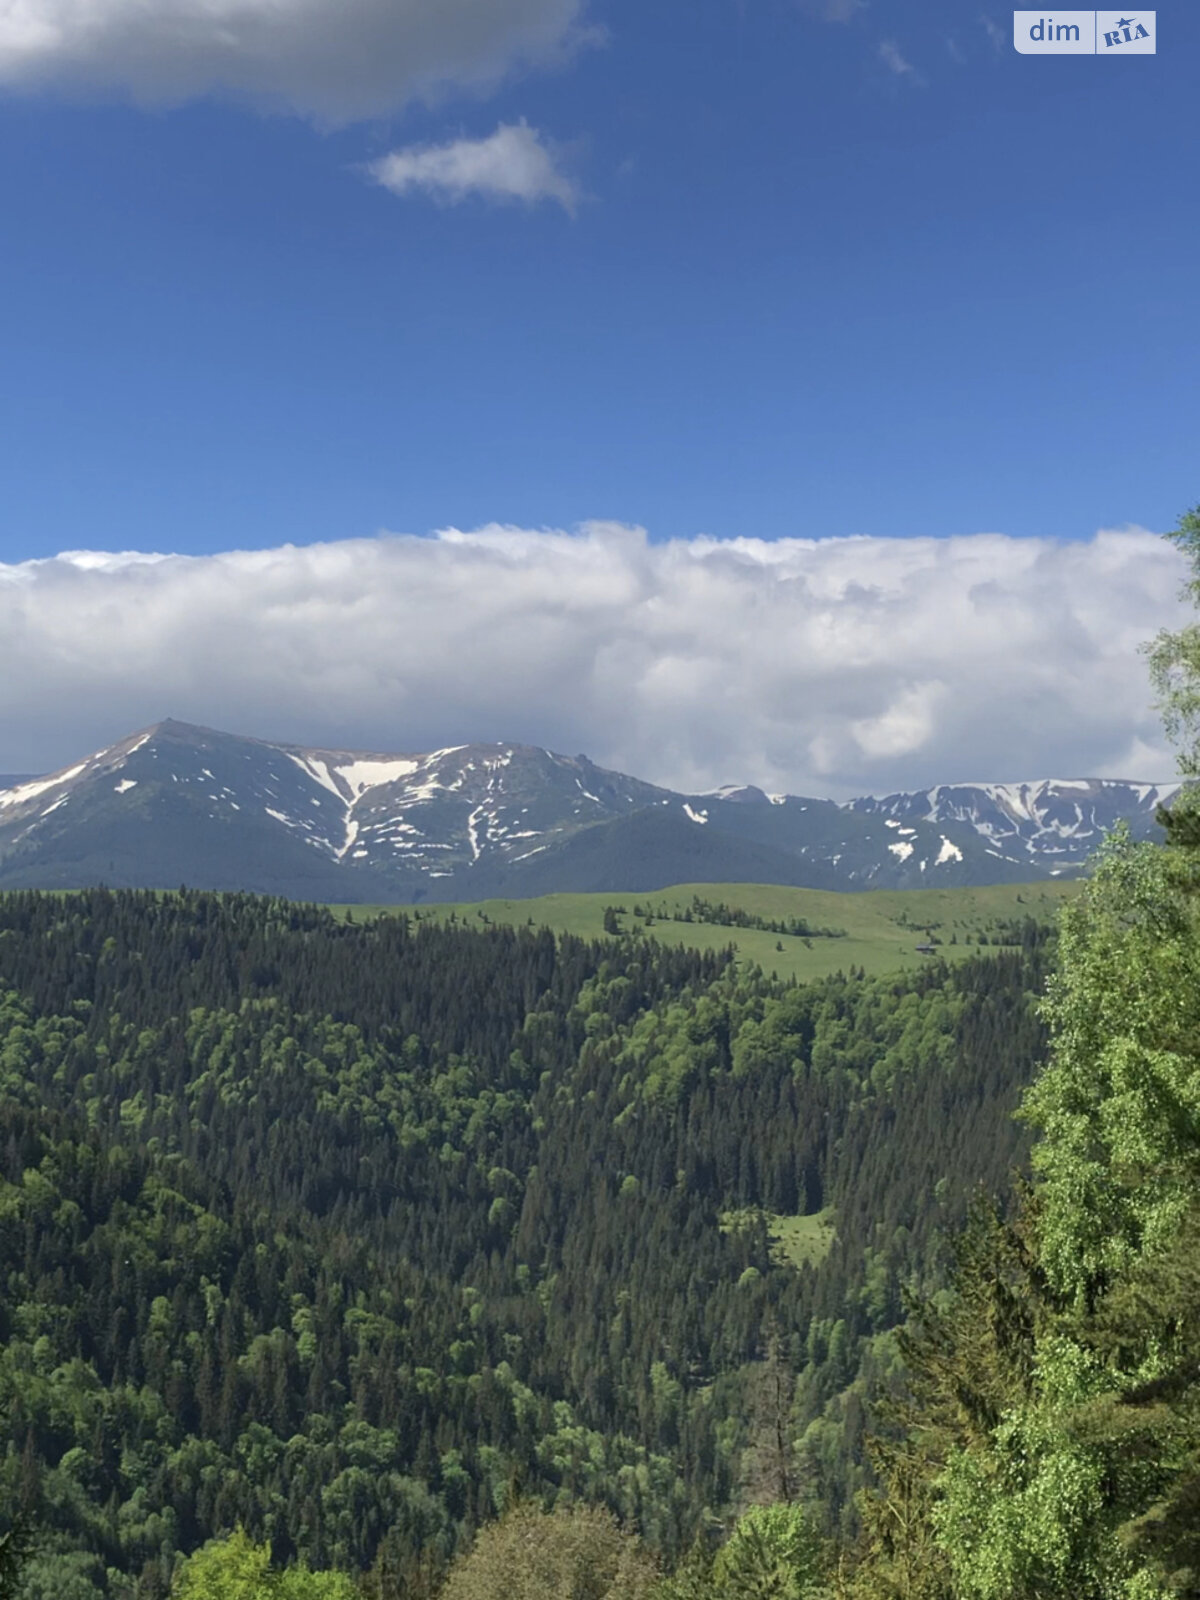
(179, 804)
(1055, 823)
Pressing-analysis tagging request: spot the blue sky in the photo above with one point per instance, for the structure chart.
(770, 368)
(878, 275)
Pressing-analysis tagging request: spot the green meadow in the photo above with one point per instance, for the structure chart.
(882, 929)
(795, 1241)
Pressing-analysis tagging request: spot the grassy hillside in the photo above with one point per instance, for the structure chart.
(882, 929)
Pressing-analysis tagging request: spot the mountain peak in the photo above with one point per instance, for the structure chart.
(178, 802)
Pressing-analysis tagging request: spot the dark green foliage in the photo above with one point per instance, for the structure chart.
(968, 1358)
(720, 915)
(349, 1233)
(1155, 1421)
(14, 1552)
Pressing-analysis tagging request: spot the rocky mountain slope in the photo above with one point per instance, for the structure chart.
(179, 804)
(1056, 823)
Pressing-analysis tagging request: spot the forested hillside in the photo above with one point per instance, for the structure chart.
(351, 1233)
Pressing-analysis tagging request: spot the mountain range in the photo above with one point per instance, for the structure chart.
(177, 804)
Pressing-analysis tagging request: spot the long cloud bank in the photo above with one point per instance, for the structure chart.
(834, 666)
(334, 59)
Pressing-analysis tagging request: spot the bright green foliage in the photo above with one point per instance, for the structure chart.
(575, 1553)
(1119, 1104)
(1015, 1470)
(227, 1569)
(1175, 659)
(773, 1553)
(1049, 1445)
(1026, 1516)
(1118, 1107)
(1054, 1501)
(238, 1569)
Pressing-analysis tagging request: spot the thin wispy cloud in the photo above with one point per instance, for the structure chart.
(514, 163)
(834, 666)
(334, 59)
(994, 32)
(894, 60)
(834, 10)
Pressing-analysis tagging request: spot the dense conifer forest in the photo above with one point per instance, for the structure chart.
(352, 1236)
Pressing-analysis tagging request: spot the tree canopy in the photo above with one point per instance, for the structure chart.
(348, 1234)
(1047, 1439)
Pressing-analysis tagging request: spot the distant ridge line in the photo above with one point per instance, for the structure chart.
(180, 803)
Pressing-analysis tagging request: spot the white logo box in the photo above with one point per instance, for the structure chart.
(1055, 33)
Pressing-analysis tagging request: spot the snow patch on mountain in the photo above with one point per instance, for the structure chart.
(317, 769)
(363, 775)
(473, 833)
(25, 792)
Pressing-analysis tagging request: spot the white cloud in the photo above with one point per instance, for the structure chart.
(834, 666)
(906, 724)
(512, 164)
(334, 59)
(893, 59)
